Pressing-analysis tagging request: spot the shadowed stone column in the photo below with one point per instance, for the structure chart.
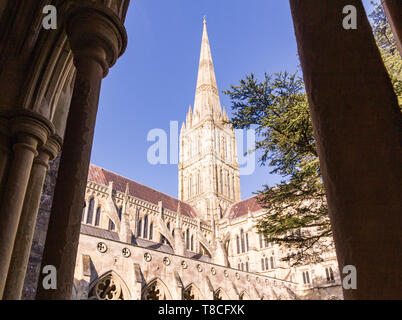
(5, 151)
(97, 38)
(23, 240)
(30, 131)
(357, 126)
(393, 9)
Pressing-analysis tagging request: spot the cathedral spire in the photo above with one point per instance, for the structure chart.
(206, 96)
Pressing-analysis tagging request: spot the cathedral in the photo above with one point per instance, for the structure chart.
(138, 243)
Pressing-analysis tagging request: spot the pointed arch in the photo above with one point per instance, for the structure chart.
(191, 292)
(145, 232)
(156, 290)
(244, 296)
(91, 207)
(220, 294)
(97, 217)
(109, 286)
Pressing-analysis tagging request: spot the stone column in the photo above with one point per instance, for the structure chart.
(357, 126)
(97, 38)
(26, 228)
(5, 151)
(393, 10)
(30, 131)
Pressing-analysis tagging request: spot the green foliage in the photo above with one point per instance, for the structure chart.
(387, 46)
(277, 107)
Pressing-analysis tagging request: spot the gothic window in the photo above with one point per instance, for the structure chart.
(198, 184)
(111, 225)
(262, 264)
(151, 231)
(168, 225)
(107, 288)
(120, 212)
(90, 211)
(187, 240)
(247, 248)
(192, 243)
(242, 266)
(156, 291)
(145, 233)
(266, 264)
(247, 266)
(221, 182)
(238, 244)
(243, 249)
(173, 233)
(139, 228)
(190, 184)
(238, 266)
(330, 274)
(272, 263)
(306, 277)
(228, 185)
(190, 293)
(97, 217)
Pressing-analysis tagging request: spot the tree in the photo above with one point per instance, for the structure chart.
(296, 210)
(277, 108)
(387, 46)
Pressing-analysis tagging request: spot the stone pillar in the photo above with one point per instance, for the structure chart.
(5, 151)
(357, 126)
(30, 131)
(393, 10)
(26, 228)
(97, 38)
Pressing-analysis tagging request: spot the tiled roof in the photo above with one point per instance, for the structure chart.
(103, 176)
(243, 207)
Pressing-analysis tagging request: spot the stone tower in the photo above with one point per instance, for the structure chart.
(208, 169)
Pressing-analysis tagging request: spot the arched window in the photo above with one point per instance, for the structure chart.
(192, 243)
(145, 233)
(168, 225)
(238, 244)
(120, 212)
(190, 186)
(243, 248)
(221, 182)
(111, 225)
(260, 236)
(247, 266)
(90, 214)
(139, 228)
(228, 185)
(173, 233)
(266, 264)
(242, 266)
(97, 217)
(247, 248)
(272, 263)
(262, 264)
(187, 240)
(151, 231)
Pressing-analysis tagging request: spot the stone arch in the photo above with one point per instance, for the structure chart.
(191, 292)
(244, 296)
(220, 294)
(156, 290)
(109, 286)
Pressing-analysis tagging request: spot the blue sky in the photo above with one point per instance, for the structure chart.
(153, 83)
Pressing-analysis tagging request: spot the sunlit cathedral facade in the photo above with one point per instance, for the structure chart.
(138, 243)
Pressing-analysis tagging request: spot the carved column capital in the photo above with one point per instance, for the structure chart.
(27, 123)
(95, 32)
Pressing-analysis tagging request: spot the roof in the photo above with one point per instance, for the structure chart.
(102, 176)
(242, 208)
